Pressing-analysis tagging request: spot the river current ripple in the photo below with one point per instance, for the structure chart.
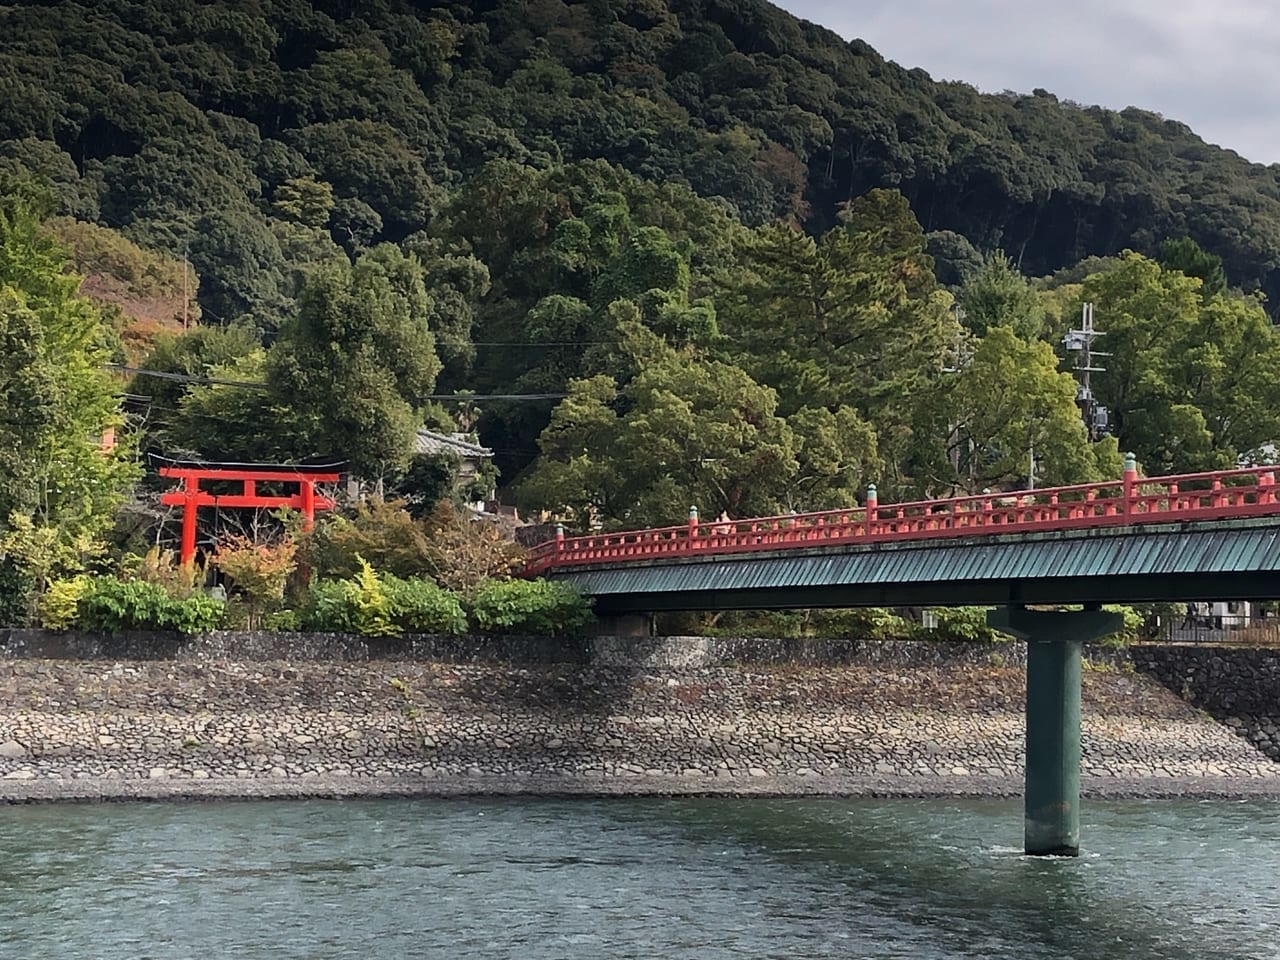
(704, 878)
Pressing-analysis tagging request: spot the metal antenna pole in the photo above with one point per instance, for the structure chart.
(1081, 341)
(1086, 324)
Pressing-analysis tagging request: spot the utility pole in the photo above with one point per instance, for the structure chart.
(1081, 342)
(958, 360)
(186, 295)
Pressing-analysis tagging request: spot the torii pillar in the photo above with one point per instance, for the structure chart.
(1054, 640)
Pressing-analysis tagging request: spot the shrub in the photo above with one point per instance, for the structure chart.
(465, 551)
(259, 569)
(1131, 632)
(330, 606)
(421, 606)
(538, 607)
(162, 568)
(372, 613)
(360, 605)
(381, 531)
(284, 621)
(375, 604)
(60, 603)
(17, 586)
(110, 605)
(195, 614)
(961, 623)
(864, 623)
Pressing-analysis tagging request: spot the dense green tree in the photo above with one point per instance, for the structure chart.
(358, 358)
(61, 487)
(1188, 380)
(691, 431)
(854, 319)
(1008, 404)
(1188, 257)
(999, 296)
(1143, 311)
(238, 424)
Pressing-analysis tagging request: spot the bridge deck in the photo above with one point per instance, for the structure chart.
(1201, 536)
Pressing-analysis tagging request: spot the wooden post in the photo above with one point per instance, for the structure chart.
(190, 491)
(308, 492)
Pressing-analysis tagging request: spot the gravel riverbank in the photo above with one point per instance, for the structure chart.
(205, 728)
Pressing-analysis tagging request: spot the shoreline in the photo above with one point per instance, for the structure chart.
(654, 718)
(114, 790)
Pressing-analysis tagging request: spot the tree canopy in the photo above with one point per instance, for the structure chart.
(701, 253)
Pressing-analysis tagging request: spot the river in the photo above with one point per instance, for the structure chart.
(707, 879)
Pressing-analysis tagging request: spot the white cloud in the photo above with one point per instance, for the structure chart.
(1211, 65)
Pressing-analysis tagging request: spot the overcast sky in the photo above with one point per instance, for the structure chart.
(1212, 64)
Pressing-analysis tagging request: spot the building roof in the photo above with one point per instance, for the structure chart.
(457, 444)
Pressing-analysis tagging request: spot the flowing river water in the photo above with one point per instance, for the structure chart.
(697, 878)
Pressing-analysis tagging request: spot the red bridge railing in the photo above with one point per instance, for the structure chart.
(1132, 501)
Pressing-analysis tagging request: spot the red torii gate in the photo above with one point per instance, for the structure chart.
(191, 498)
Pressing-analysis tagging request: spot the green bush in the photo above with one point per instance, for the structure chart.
(536, 607)
(195, 614)
(864, 623)
(1131, 632)
(359, 605)
(376, 604)
(110, 605)
(283, 621)
(330, 607)
(961, 623)
(422, 606)
(16, 589)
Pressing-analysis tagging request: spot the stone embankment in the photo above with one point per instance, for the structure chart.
(217, 719)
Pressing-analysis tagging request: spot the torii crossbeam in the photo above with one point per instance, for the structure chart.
(191, 498)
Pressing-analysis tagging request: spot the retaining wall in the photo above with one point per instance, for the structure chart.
(270, 708)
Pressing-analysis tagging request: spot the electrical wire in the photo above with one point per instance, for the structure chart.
(215, 381)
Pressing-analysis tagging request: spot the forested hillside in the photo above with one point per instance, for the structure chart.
(737, 242)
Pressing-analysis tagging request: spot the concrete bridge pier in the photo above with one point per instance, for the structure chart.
(625, 625)
(1054, 640)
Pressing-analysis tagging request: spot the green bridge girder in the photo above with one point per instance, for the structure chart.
(1217, 560)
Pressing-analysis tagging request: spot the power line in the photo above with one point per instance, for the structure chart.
(252, 385)
(494, 396)
(183, 377)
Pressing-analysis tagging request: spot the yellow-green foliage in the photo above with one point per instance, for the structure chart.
(372, 605)
(60, 600)
(1131, 630)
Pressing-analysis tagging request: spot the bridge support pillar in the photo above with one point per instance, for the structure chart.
(625, 625)
(1054, 639)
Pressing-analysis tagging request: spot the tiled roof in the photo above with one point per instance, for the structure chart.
(457, 444)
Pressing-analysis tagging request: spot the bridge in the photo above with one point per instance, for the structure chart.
(1192, 537)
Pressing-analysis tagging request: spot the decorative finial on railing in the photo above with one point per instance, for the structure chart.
(559, 531)
(871, 491)
(1130, 463)
(693, 513)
